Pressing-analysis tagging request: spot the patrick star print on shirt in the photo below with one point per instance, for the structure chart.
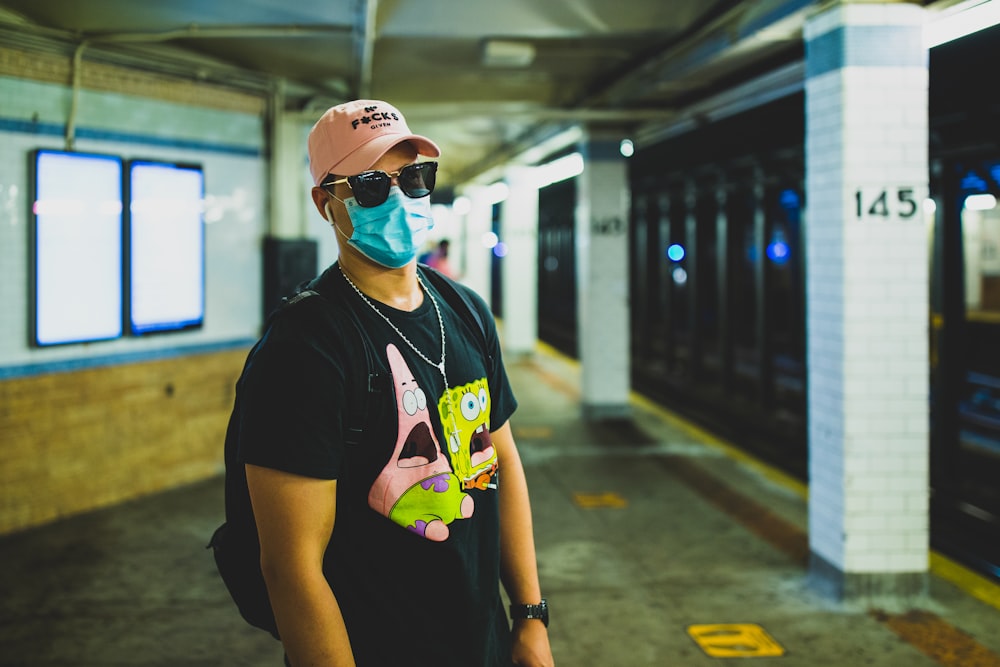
(417, 488)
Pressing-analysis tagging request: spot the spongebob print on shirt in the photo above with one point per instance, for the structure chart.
(422, 488)
(467, 430)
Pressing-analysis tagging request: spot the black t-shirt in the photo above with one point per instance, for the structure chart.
(414, 556)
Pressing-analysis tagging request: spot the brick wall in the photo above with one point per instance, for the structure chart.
(77, 441)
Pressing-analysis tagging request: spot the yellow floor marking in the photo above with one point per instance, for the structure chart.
(940, 640)
(595, 500)
(536, 432)
(735, 640)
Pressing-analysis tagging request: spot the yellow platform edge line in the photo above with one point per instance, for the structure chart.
(968, 581)
(550, 351)
(972, 583)
(768, 471)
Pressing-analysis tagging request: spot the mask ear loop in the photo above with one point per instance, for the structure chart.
(329, 218)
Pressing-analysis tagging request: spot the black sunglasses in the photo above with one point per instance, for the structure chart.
(371, 188)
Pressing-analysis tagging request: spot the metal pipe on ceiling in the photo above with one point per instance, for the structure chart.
(74, 96)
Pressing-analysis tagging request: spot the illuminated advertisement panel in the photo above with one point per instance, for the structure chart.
(166, 247)
(76, 248)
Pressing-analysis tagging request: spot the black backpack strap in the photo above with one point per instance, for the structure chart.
(461, 302)
(358, 417)
(302, 291)
(359, 408)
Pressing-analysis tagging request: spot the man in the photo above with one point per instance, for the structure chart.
(389, 548)
(438, 259)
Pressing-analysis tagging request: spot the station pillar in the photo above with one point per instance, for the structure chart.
(603, 323)
(866, 95)
(288, 255)
(286, 219)
(476, 256)
(519, 232)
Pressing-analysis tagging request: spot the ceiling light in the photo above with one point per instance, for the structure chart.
(561, 169)
(962, 20)
(503, 53)
(497, 192)
(983, 202)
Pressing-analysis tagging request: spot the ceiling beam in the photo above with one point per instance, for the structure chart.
(214, 32)
(516, 111)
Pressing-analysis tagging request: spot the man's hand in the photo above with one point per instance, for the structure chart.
(531, 644)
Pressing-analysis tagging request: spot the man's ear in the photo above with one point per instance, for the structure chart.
(319, 198)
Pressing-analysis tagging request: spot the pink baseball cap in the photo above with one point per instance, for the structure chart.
(350, 137)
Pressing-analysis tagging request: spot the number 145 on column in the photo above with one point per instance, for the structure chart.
(886, 203)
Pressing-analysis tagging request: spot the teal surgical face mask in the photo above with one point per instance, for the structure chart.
(391, 233)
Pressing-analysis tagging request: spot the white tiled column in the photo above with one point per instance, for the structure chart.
(519, 230)
(602, 278)
(287, 218)
(867, 295)
(477, 257)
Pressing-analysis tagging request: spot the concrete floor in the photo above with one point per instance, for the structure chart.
(646, 532)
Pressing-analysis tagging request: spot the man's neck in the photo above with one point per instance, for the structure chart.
(397, 288)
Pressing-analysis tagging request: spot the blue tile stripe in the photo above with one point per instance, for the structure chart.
(84, 363)
(58, 130)
(865, 46)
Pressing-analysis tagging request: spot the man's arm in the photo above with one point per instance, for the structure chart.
(518, 567)
(295, 517)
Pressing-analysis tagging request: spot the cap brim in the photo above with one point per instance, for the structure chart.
(365, 156)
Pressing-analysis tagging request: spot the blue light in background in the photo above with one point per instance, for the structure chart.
(789, 199)
(778, 252)
(972, 182)
(500, 249)
(675, 252)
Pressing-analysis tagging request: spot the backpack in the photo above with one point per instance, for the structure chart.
(234, 543)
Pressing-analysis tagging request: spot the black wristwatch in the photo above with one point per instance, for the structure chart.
(539, 611)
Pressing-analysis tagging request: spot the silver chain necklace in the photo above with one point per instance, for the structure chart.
(438, 365)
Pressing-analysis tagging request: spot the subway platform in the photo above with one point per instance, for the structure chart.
(658, 545)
